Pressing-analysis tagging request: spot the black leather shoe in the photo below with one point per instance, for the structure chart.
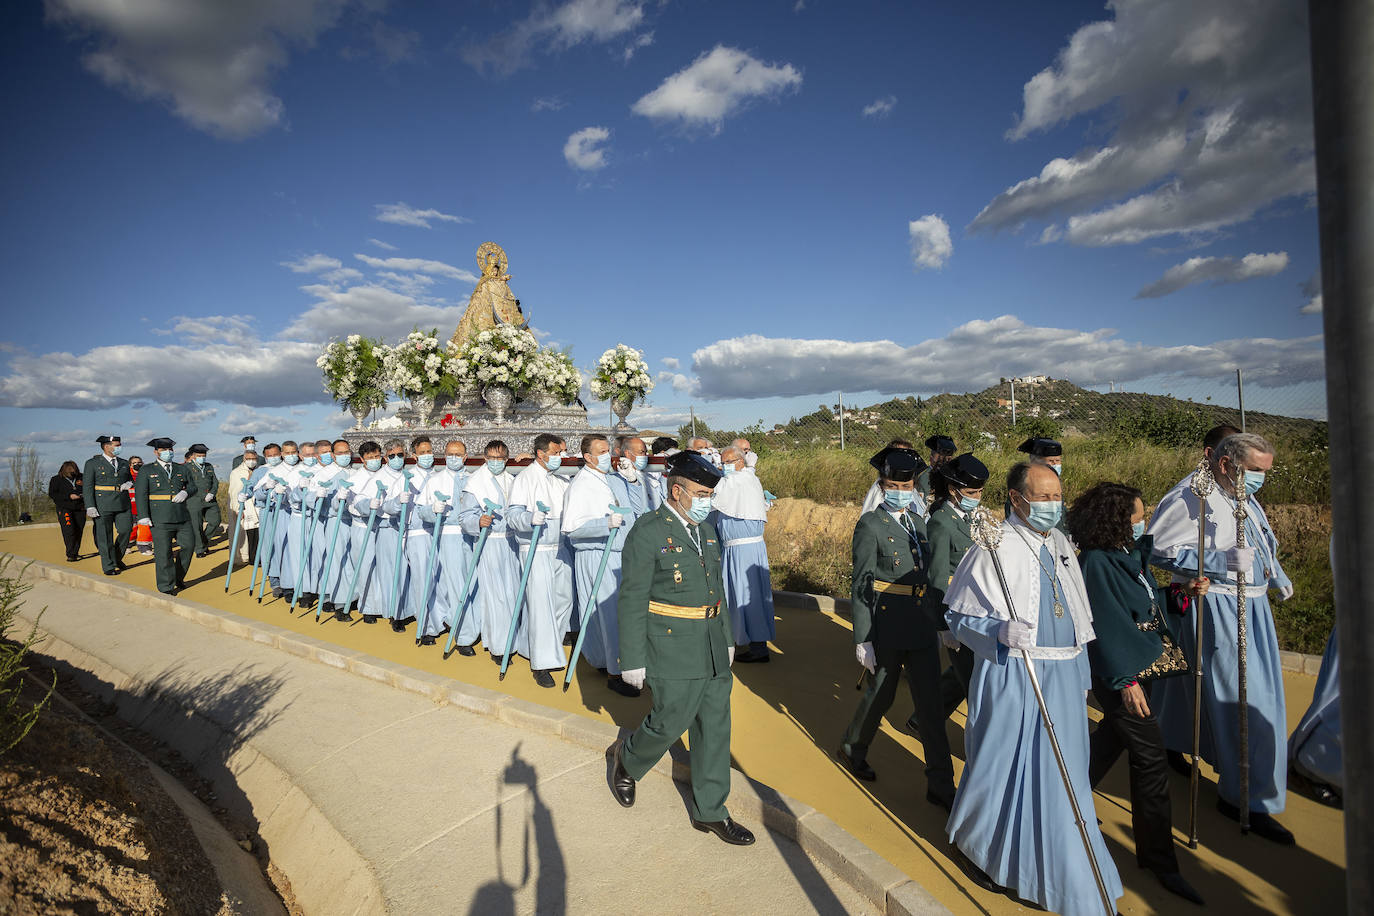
(278, 591)
(622, 784)
(569, 639)
(1174, 883)
(974, 873)
(543, 678)
(202, 554)
(1261, 824)
(940, 801)
(369, 618)
(1179, 763)
(121, 565)
(111, 572)
(858, 768)
(426, 640)
(727, 830)
(342, 615)
(913, 729)
(617, 685)
(397, 626)
(467, 651)
(498, 659)
(750, 656)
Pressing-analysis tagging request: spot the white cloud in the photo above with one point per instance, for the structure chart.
(682, 384)
(57, 436)
(1208, 115)
(976, 354)
(403, 214)
(312, 263)
(419, 265)
(385, 246)
(371, 310)
(717, 84)
(584, 150)
(409, 284)
(671, 362)
(1215, 271)
(243, 421)
(394, 44)
(553, 28)
(639, 41)
(880, 108)
(197, 417)
(931, 245)
(1313, 306)
(211, 62)
(548, 103)
(1312, 289)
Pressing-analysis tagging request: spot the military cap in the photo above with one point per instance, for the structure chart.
(198, 449)
(899, 465)
(102, 440)
(246, 439)
(942, 444)
(877, 460)
(1041, 447)
(965, 471)
(161, 442)
(695, 466)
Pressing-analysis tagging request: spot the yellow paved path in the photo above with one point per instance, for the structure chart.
(788, 717)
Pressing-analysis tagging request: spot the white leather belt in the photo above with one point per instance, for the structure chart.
(740, 542)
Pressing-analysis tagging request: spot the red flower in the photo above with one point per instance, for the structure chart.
(446, 421)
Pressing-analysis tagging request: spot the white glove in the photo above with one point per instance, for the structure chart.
(439, 506)
(1240, 559)
(628, 470)
(375, 504)
(750, 459)
(864, 653)
(280, 489)
(127, 485)
(538, 518)
(634, 678)
(346, 494)
(243, 497)
(180, 497)
(948, 640)
(404, 498)
(616, 520)
(146, 521)
(1016, 634)
(209, 497)
(1285, 592)
(731, 650)
(93, 512)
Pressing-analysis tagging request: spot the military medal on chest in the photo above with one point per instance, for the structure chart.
(677, 576)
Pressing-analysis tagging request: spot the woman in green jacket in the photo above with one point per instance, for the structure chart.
(1108, 525)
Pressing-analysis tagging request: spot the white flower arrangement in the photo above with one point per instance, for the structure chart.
(417, 366)
(553, 371)
(502, 356)
(353, 371)
(621, 374)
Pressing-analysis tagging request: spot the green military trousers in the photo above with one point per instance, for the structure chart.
(171, 571)
(701, 708)
(205, 521)
(112, 537)
(923, 676)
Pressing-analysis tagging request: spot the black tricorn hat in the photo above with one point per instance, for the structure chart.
(695, 467)
(877, 460)
(246, 439)
(198, 449)
(942, 444)
(1041, 447)
(898, 464)
(102, 440)
(161, 442)
(965, 471)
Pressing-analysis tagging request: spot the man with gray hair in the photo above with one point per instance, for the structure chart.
(1240, 460)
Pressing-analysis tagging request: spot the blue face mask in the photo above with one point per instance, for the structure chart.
(1138, 529)
(290, 459)
(373, 464)
(454, 462)
(326, 459)
(309, 461)
(897, 499)
(603, 462)
(641, 462)
(198, 459)
(1058, 469)
(165, 455)
(425, 461)
(273, 460)
(1045, 515)
(968, 503)
(396, 462)
(553, 462)
(117, 449)
(1253, 481)
(343, 461)
(701, 507)
(728, 470)
(496, 465)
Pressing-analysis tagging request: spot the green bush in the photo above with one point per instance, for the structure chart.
(17, 715)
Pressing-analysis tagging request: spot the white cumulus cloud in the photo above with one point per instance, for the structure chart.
(716, 85)
(403, 214)
(312, 263)
(419, 265)
(553, 28)
(931, 245)
(1312, 289)
(1215, 270)
(584, 150)
(880, 108)
(385, 246)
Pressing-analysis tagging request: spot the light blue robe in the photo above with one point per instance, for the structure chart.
(1172, 698)
(1315, 746)
(498, 577)
(548, 600)
(416, 540)
(598, 613)
(453, 560)
(744, 573)
(1011, 816)
(330, 479)
(379, 560)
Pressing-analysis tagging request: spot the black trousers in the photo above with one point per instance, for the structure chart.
(1143, 743)
(73, 522)
(954, 680)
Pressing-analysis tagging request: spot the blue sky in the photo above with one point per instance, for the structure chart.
(773, 200)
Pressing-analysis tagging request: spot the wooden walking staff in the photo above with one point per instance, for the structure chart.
(1242, 700)
(1202, 486)
(986, 531)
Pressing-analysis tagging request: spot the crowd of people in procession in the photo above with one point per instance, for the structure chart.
(1059, 606)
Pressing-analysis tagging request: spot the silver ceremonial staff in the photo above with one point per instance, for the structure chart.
(986, 532)
(1202, 486)
(1242, 512)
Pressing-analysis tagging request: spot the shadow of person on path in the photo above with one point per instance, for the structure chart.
(551, 882)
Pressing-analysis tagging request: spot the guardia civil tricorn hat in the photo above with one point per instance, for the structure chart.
(942, 444)
(161, 442)
(695, 467)
(103, 440)
(965, 471)
(898, 465)
(1041, 447)
(878, 460)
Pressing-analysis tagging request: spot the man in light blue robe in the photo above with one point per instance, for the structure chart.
(498, 567)
(1012, 818)
(366, 488)
(740, 514)
(630, 459)
(305, 506)
(417, 536)
(588, 521)
(275, 488)
(1243, 457)
(440, 498)
(383, 547)
(548, 599)
(336, 570)
(321, 494)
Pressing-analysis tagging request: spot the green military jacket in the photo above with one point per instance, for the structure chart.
(205, 479)
(948, 533)
(100, 484)
(154, 490)
(890, 582)
(660, 564)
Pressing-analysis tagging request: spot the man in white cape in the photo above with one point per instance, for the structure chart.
(740, 514)
(548, 598)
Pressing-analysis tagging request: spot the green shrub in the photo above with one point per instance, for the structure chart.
(17, 715)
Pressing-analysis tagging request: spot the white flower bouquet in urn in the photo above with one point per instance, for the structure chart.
(622, 377)
(354, 374)
(501, 357)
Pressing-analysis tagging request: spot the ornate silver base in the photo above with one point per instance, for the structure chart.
(479, 425)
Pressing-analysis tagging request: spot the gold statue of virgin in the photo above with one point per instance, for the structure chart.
(491, 302)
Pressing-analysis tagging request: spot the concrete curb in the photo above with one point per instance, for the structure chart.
(299, 830)
(1297, 662)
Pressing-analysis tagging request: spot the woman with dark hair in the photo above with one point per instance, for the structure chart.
(1108, 524)
(65, 492)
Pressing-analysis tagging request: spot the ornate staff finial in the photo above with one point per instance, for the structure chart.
(984, 528)
(1203, 483)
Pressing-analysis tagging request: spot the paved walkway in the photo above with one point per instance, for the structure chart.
(450, 810)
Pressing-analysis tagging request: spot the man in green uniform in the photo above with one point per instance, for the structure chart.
(941, 450)
(675, 634)
(105, 486)
(204, 511)
(161, 493)
(891, 631)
